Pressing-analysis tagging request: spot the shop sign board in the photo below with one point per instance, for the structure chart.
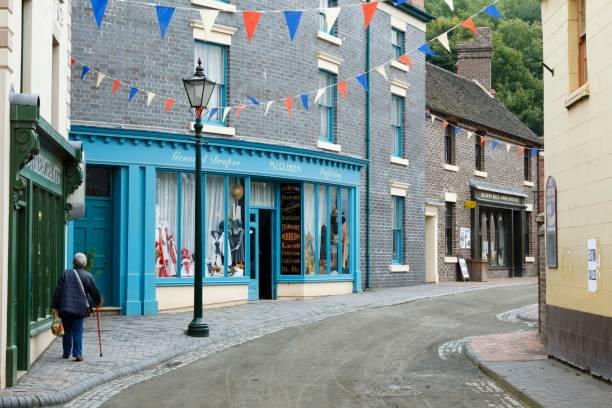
(465, 274)
(46, 170)
(470, 204)
(498, 197)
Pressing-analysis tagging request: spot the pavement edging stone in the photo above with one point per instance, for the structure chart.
(471, 354)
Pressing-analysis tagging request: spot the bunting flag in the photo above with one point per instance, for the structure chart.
(520, 149)
(450, 4)
(319, 94)
(534, 151)
(116, 84)
(99, 8)
(150, 96)
(101, 77)
(251, 20)
(212, 113)
(84, 71)
(72, 61)
(292, 18)
(342, 87)
(169, 103)
(289, 104)
(427, 50)
(433, 118)
(238, 110)
(508, 147)
(226, 112)
(482, 140)
(268, 106)
(208, 18)
(399, 2)
(470, 134)
(331, 14)
(443, 39)
(469, 24)
(304, 98)
(133, 92)
(444, 124)
(492, 11)
(164, 16)
(382, 71)
(363, 80)
(405, 60)
(368, 12)
(253, 100)
(494, 144)
(457, 130)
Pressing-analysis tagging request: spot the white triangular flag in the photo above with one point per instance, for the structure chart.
(450, 4)
(208, 19)
(381, 70)
(101, 77)
(226, 112)
(433, 118)
(268, 106)
(150, 96)
(443, 38)
(331, 14)
(508, 147)
(470, 134)
(320, 93)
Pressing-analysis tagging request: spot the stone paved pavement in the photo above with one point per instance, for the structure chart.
(133, 344)
(519, 363)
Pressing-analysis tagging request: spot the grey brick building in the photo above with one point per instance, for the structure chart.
(481, 174)
(368, 150)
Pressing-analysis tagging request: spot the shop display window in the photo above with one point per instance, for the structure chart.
(235, 227)
(346, 211)
(166, 225)
(323, 229)
(494, 235)
(310, 228)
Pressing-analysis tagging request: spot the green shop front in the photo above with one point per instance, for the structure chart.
(45, 173)
(279, 221)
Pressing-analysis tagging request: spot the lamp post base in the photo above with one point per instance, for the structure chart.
(197, 328)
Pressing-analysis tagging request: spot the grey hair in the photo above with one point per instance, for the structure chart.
(79, 260)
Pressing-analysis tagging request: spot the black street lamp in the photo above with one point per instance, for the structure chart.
(199, 90)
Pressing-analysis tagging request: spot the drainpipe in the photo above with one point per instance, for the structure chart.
(367, 137)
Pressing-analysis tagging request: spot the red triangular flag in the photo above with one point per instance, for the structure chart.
(169, 103)
(405, 60)
(116, 84)
(521, 149)
(72, 61)
(342, 88)
(368, 12)
(238, 110)
(482, 140)
(289, 104)
(251, 19)
(469, 24)
(444, 124)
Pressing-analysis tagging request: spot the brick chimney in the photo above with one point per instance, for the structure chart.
(474, 58)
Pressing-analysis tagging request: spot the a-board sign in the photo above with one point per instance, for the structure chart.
(465, 274)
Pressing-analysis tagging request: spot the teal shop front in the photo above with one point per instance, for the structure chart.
(279, 221)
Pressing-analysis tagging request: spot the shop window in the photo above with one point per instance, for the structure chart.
(327, 103)
(448, 227)
(235, 227)
(335, 230)
(262, 194)
(310, 229)
(495, 239)
(484, 236)
(214, 62)
(346, 211)
(397, 42)
(449, 145)
(397, 125)
(398, 227)
(501, 240)
(323, 4)
(215, 226)
(166, 225)
(323, 229)
(492, 239)
(98, 181)
(527, 163)
(479, 154)
(291, 229)
(188, 225)
(527, 231)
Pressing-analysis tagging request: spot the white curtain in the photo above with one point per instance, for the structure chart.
(309, 228)
(214, 67)
(215, 231)
(166, 224)
(187, 224)
(262, 194)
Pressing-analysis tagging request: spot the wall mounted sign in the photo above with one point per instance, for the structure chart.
(497, 197)
(291, 229)
(592, 265)
(465, 238)
(470, 204)
(552, 260)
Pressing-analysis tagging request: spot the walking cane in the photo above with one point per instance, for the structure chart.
(99, 337)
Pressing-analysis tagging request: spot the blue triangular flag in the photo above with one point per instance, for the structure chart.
(399, 2)
(164, 15)
(293, 21)
(427, 50)
(494, 144)
(534, 151)
(363, 80)
(305, 101)
(457, 130)
(213, 112)
(84, 71)
(253, 100)
(133, 92)
(492, 11)
(98, 7)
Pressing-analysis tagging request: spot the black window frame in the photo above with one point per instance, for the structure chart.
(448, 229)
(527, 163)
(479, 153)
(449, 145)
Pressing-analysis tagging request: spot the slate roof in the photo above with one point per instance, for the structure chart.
(453, 95)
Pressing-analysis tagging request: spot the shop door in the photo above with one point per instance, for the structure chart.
(253, 256)
(517, 232)
(261, 254)
(93, 233)
(431, 249)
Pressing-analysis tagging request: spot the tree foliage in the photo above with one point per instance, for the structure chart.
(517, 50)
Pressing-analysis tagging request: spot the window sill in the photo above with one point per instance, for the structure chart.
(398, 65)
(215, 5)
(219, 130)
(529, 259)
(528, 183)
(529, 207)
(451, 259)
(451, 167)
(482, 174)
(399, 268)
(329, 38)
(576, 96)
(332, 147)
(399, 160)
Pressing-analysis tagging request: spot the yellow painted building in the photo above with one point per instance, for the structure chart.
(578, 138)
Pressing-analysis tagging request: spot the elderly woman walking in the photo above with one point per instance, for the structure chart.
(72, 303)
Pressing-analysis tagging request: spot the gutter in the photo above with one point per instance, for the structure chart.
(416, 12)
(367, 140)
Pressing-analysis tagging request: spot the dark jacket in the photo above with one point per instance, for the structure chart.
(69, 297)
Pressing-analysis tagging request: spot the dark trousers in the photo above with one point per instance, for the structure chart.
(73, 335)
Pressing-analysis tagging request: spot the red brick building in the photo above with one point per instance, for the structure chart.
(481, 174)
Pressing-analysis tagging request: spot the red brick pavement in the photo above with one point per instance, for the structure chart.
(516, 346)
